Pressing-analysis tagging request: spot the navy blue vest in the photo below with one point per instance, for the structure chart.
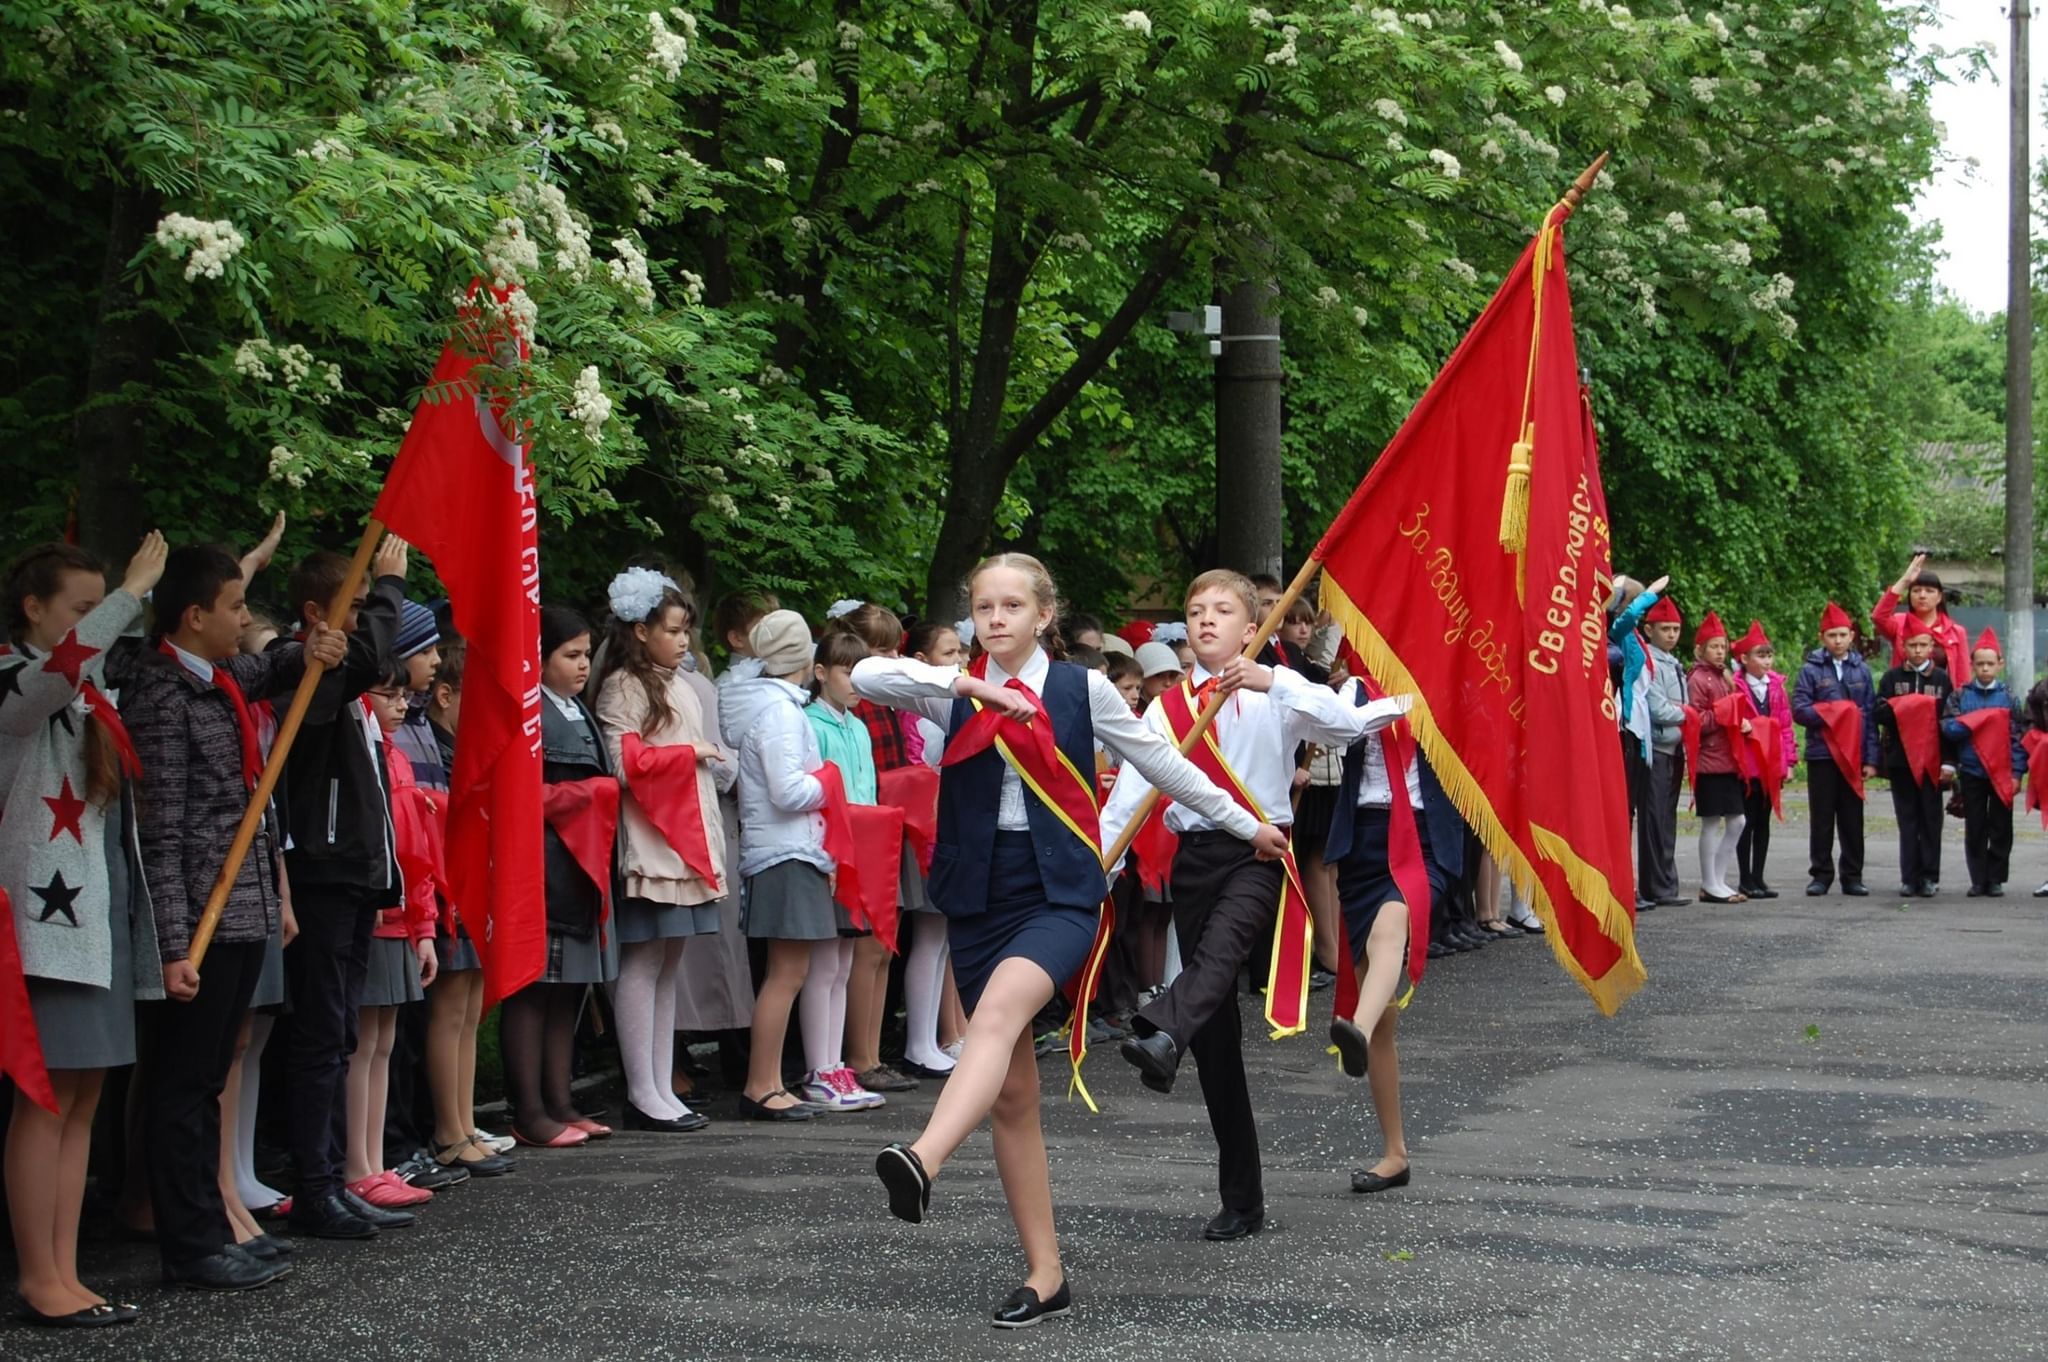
(971, 793)
(1441, 825)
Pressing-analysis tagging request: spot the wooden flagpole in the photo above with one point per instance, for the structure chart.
(280, 748)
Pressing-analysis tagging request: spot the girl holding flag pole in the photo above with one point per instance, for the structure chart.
(1018, 872)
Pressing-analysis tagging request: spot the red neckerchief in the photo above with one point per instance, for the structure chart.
(1035, 751)
(1919, 735)
(245, 718)
(1991, 735)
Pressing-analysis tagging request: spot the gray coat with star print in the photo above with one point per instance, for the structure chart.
(53, 838)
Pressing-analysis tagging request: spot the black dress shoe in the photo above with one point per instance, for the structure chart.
(1763, 891)
(1438, 950)
(228, 1270)
(1365, 1180)
(1815, 888)
(1977, 891)
(1672, 903)
(1156, 1058)
(1929, 889)
(1230, 1224)
(1855, 889)
(1320, 979)
(377, 1215)
(1997, 891)
(761, 1111)
(1350, 1040)
(637, 1119)
(910, 1187)
(329, 1218)
(268, 1248)
(91, 1317)
(1646, 905)
(1023, 1308)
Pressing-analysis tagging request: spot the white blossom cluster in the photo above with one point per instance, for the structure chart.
(1390, 111)
(1137, 21)
(1421, 19)
(693, 286)
(1386, 21)
(295, 363)
(1717, 27)
(572, 238)
(1465, 272)
(1446, 162)
(1555, 94)
(326, 148)
(807, 71)
(1286, 54)
(629, 272)
(1328, 296)
(592, 408)
(1770, 300)
(850, 35)
(212, 244)
(1704, 88)
(1509, 58)
(287, 467)
(1261, 17)
(774, 165)
(510, 253)
(667, 50)
(611, 132)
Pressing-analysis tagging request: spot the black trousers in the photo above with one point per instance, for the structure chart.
(1837, 815)
(325, 967)
(1918, 807)
(409, 1114)
(1754, 846)
(1657, 830)
(181, 1113)
(1224, 898)
(1987, 832)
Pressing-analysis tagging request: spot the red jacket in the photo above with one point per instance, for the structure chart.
(417, 826)
(1704, 685)
(1949, 636)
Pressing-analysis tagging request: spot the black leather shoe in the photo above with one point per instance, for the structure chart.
(1349, 1038)
(1763, 891)
(329, 1218)
(2042, 892)
(1977, 891)
(268, 1248)
(1646, 905)
(761, 1111)
(1997, 891)
(1320, 979)
(228, 1270)
(1854, 889)
(637, 1119)
(1365, 1180)
(1815, 888)
(1672, 903)
(377, 1215)
(1929, 889)
(1023, 1308)
(1156, 1058)
(910, 1187)
(1438, 950)
(91, 1317)
(1909, 891)
(1230, 1224)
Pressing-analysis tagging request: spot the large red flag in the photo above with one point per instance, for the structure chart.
(1471, 568)
(461, 491)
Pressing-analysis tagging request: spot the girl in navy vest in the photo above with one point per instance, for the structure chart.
(1020, 882)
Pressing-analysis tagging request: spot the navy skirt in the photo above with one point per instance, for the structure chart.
(1018, 924)
(1365, 879)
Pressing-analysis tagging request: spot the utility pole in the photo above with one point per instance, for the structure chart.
(2019, 378)
(1249, 384)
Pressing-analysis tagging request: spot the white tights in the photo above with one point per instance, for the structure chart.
(821, 1009)
(644, 1005)
(254, 1194)
(1718, 839)
(924, 990)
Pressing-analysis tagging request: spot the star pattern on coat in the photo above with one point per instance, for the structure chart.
(66, 812)
(63, 716)
(69, 657)
(10, 680)
(57, 897)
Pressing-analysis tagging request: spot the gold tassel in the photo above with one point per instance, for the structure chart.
(1514, 505)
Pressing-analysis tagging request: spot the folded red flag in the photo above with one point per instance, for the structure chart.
(585, 815)
(2035, 743)
(1756, 752)
(1991, 735)
(1841, 728)
(663, 782)
(915, 790)
(1689, 732)
(21, 1050)
(1155, 846)
(871, 898)
(1919, 735)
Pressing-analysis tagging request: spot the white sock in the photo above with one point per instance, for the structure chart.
(633, 998)
(253, 1193)
(1710, 856)
(1731, 842)
(924, 988)
(823, 1023)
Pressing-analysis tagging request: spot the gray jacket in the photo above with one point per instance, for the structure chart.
(779, 797)
(1665, 686)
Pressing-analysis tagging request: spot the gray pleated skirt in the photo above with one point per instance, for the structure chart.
(592, 959)
(638, 920)
(458, 952)
(82, 1026)
(393, 976)
(792, 901)
(912, 895)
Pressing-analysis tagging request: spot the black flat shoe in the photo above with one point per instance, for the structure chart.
(1230, 1224)
(1672, 903)
(910, 1187)
(377, 1215)
(1731, 898)
(1646, 905)
(925, 1071)
(1763, 891)
(487, 1165)
(91, 1317)
(329, 1218)
(1855, 889)
(1156, 1057)
(637, 1119)
(1365, 1180)
(1349, 1039)
(1815, 888)
(761, 1111)
(1023, 1308)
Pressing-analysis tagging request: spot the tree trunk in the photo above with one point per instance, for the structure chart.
(111, 425)
(1249, 389)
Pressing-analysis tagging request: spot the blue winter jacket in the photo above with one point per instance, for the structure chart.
(1816, 684)
(1967, 700)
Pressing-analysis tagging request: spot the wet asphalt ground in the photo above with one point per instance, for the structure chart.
(1820, 1132)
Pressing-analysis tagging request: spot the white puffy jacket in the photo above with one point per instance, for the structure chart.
(763, 717)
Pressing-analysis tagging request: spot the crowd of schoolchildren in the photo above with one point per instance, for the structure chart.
(128, 755)
(1940, 726)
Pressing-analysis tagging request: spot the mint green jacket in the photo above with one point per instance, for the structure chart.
(844, 741)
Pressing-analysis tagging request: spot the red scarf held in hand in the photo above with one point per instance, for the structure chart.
(1756, 752)
(21, 1049)
(245, 718)
(1991, 735)
(915, 790)
(585, 815)
(2034, 743)
(1919, 735)
(1841, 728)
(663, 781)
(865, 842)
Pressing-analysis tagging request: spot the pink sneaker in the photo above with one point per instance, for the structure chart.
(843, 1081)
(386, 1192)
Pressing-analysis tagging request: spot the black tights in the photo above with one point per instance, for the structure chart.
(537, 1030)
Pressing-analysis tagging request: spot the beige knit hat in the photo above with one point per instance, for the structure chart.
(783, 643)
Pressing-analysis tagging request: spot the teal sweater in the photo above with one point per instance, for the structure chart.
(845, 743)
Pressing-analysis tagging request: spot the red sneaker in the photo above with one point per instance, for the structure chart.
(386, 1192)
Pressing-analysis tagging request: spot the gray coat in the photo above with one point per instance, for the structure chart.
(1665, 685)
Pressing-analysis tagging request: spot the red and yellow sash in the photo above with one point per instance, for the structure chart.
(1294, 937)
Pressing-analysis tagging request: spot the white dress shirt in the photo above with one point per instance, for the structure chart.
(1759, 691)
(1374, 790)
(922, 688)
(1258, 733)
(192, 662)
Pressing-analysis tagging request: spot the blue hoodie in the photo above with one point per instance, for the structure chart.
(1969, 699)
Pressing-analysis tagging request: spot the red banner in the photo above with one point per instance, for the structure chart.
(1471, 568)
(461, 491)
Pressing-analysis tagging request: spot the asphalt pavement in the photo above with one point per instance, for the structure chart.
(1819, 1132)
